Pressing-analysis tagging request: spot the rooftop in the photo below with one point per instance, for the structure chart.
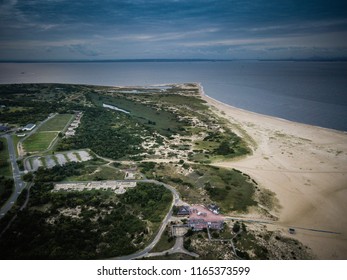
(29, 126)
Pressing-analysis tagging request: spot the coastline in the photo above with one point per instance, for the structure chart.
(305, 165)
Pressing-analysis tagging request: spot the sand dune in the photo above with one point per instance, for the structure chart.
(306, 166)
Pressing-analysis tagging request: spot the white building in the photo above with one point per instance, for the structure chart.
(29, 127)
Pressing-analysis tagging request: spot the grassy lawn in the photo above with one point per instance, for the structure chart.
(57, 123)
(165, 242)
(5, 166)
(39, 141)
(97, 173)
(15, 139)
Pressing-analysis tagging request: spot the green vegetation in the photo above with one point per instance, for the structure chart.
(109, 134)
(171, 123)
(39, 141)
(43, 137)
(83, 225)
(6, 189)
(57, 123)
(165, 122)
(15, 140)
(268, 199)
(58, 172)
(166, 241)
(140, 199)
(258, 244)
(95, 172)
(218, 145)
(252, 245)
(5, 166)
(230, 189)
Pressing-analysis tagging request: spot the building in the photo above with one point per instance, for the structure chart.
(201, 217)
(70, 133)
(3, 128)
(183, 211)
(200, 224)
(214, 209)
(29, 127)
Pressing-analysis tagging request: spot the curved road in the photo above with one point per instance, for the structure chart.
(149, 247)
(19, 185)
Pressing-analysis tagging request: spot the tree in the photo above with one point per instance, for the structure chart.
(236, 227)
(28, 177)
(224, 149)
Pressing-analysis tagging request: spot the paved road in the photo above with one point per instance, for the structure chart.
(178, 248)
(19, 185)
(281, 225)
(146, 250)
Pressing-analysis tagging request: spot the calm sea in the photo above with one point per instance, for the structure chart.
(308, 92)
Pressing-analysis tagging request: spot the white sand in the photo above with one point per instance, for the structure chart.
(306, 166)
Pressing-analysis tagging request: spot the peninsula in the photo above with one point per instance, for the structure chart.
(164, 172)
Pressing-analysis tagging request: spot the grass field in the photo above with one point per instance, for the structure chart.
(15, 139)
(163, 121)
(5, 166)
(39, 141)
(57, 123)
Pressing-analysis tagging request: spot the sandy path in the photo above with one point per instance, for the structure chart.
(306, 166)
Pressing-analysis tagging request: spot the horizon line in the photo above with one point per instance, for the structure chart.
(313, 59)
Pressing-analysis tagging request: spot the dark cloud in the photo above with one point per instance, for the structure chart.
(171, 28)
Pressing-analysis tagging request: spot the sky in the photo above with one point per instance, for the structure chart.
(172, 29)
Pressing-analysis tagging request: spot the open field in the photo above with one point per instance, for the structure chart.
(43, 137)
(39, 141)
(57, 123)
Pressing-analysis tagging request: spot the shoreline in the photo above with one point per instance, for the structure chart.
(202, 93)
(304, 165)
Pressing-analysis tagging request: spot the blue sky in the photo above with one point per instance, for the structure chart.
(140, 29)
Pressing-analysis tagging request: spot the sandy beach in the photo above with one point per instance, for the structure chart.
(306, 166)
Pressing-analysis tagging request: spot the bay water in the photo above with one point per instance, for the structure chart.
(307, 92)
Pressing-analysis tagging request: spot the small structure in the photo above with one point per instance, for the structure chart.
(74, 125)
(201, 218)
(183, 211)
(214, 209)
(200, 224)
(3, 128)
(29, 127)
(69, 133)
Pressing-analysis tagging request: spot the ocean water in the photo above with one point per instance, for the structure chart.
(308, 92)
